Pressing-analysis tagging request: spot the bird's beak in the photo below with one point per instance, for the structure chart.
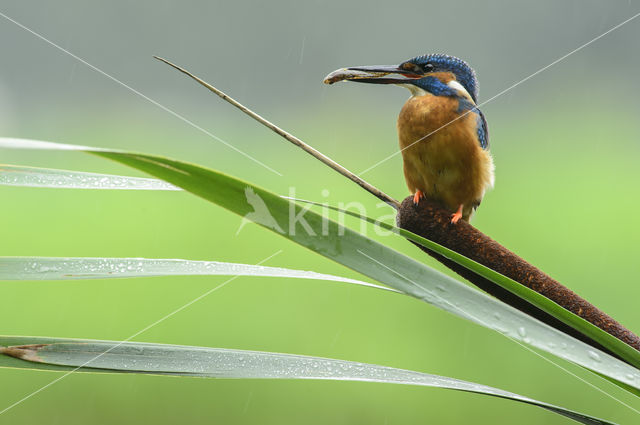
(376, 74)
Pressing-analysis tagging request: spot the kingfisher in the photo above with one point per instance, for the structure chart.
(443, 136)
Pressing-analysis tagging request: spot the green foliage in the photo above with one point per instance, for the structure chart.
(59, 354)
(372, 259)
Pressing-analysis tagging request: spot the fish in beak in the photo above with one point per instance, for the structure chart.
(376, 74)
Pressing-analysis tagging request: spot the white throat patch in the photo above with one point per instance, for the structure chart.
(460, 88)
(415, 90)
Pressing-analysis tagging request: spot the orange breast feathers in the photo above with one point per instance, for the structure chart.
(442, 155)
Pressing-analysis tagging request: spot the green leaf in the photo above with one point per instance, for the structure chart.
(60, 354)
(15, 175)
(362, 254)
(53, 268)
(54, 178)
(616, 346)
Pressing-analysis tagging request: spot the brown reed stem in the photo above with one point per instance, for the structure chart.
(431, 221)
(291, 138)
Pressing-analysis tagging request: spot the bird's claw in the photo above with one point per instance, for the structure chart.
(417, 196)
(456, 216)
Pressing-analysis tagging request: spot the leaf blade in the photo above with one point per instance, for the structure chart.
(73, 268)
(135, 357)
(14, 175)
(625, 351)
(392, 268)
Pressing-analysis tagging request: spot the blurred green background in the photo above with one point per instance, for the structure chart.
(566, 197)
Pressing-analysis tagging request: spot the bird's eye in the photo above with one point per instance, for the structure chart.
(427, 67)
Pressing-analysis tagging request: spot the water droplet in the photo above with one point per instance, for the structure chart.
(522, 332)
(441, 288)
(594, 356)
(496, 315)
(631, 376)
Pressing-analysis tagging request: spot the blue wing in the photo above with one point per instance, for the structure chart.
(483, 130)
(465, 105)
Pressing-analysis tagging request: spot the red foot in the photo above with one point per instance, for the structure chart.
(416, 198)
(455, 217)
